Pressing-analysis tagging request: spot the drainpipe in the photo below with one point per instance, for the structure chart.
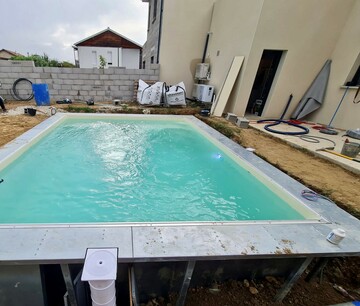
(160, 26)
(205, 48)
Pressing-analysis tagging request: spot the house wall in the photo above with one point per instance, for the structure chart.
(233, 30)
(130, 58)
(308, 32)
(185, 26)
(150, 48)
(120, 57)
(344, 56)
(77, 83)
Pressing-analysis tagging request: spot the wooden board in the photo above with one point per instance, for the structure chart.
(224, 94)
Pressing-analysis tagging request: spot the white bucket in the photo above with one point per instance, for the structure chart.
(336, 235)
(102, 292)
(112, 302)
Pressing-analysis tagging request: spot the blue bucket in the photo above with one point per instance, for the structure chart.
(41, 94)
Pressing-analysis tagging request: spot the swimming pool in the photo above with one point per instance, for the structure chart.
(137, 169)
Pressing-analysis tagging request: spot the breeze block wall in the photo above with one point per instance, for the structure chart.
(77, 83)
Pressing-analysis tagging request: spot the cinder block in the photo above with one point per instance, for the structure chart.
(125, 88)
(242, 122)
(114, 77)
(129, 71)
(98, 82)
(22, 63)
(108, 82)
(94, 77)
(114, 88)
(154, 78)
(6, 68)
(100, 92)
(67, 87)
(104, 77)
(154, 66)
(124, 77)
(45, 75)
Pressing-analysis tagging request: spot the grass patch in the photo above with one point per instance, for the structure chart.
(80, 109)
(219, 126)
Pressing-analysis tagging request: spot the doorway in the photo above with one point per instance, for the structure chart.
(269, 63)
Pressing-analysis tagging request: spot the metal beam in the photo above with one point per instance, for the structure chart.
(319, 266)
(133, 288)
(69, 284)
(186, 283)
(291, 280)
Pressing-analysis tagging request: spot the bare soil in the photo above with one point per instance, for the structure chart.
(342, 186)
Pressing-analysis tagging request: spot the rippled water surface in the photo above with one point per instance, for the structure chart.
(132, 171)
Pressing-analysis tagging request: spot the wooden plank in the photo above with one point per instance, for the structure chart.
(223, 96)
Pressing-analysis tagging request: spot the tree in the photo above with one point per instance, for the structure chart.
(102, 62)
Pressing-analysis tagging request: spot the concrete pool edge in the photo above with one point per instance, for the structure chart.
(178, 242)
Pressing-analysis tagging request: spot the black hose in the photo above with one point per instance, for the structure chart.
(315, 139)
(304, 129)
(17, 95)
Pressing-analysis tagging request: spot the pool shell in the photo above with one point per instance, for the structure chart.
(292, 201)
(67, 243)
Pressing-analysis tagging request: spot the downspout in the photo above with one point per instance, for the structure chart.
(160, 27)
(118, 57)
(205, 48)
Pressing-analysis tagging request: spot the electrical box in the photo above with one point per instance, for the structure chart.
(202, 71)
(203, 93)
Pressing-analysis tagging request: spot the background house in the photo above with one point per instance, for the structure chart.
(7, 54)
(287, 41)
(117, 50)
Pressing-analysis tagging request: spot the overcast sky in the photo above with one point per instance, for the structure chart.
(53, 26)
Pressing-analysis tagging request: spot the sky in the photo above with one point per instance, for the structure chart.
(53, 26)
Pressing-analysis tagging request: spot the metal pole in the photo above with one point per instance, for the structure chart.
(186, 283)
(69, 284)
(320, 265)
(329, 125)
(291, 280)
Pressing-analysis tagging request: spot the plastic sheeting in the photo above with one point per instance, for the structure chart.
(314, 96)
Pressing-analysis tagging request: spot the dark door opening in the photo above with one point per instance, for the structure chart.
(269, 63)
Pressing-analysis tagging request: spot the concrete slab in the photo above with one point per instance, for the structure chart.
(313, 147)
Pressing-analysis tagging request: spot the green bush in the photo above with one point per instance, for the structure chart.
(42, 61)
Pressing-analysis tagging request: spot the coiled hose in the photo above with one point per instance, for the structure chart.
(20, 90)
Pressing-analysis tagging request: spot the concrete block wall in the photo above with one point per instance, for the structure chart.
(77, 83)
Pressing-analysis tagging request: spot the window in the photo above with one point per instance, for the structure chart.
(353, 78)
(154, 10)
(94, 58)
(143, 64)
(109, 58)
(152, 60)
(355, 81)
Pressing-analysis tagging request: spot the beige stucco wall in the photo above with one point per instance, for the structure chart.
(233, 29)
(184, 29)
(309, 32)
(344, 56)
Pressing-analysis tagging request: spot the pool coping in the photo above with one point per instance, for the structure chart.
(166, 242)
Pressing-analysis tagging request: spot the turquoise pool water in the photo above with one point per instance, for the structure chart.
(132, 170)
